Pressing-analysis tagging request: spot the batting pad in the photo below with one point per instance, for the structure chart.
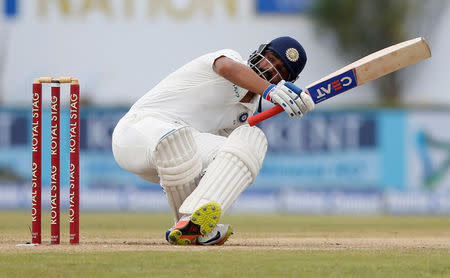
(179, 166)
(235, 167)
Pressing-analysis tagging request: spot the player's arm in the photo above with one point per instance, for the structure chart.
(295, 103)
(240, 74)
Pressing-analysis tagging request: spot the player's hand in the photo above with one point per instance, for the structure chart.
(294, 102)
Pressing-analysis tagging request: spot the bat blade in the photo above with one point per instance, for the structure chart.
(371, 67)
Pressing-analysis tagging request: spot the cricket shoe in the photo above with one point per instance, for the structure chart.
(200, 223)
(217, 236)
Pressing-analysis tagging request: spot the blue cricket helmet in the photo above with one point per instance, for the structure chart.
(291, 52)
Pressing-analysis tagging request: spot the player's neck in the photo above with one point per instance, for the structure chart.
(248, 97)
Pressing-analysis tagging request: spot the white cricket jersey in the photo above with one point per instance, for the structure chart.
(199, 97)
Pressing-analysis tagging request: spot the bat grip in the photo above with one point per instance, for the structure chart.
(253, 120)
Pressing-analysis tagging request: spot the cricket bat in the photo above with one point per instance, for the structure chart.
(360, 72)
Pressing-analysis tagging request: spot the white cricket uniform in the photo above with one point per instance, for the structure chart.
(194, 96)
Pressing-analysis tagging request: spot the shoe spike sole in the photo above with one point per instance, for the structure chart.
(206, 217)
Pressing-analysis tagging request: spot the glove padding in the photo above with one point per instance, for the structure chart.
(294, 102)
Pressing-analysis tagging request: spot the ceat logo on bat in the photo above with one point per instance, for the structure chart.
(333, 86)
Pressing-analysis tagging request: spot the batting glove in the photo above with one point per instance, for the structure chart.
(294, 101)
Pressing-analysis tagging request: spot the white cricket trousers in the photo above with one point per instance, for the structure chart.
(136, 135)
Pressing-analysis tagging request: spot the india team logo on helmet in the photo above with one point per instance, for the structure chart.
(292, 54)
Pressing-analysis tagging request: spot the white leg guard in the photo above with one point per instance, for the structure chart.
(179, 166)
(235, 167)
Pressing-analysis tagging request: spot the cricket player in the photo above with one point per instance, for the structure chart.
(189, 133)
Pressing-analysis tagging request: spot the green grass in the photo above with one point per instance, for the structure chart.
(231, 263)
(228, 261)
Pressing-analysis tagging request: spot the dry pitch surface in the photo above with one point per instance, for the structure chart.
(141, 231)
(237, 242)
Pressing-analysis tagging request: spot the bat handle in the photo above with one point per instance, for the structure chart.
(253, 120)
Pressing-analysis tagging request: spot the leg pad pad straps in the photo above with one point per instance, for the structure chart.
(235, 167)
(179, 166)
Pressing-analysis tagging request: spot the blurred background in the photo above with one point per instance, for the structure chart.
(380, 148)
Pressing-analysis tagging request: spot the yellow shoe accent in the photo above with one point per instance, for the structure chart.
(207, 217)
(175, 238)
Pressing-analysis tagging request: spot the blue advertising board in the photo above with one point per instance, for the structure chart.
(97, 165)
(335, 150)
(283, 6)
(329, 161)
(339, 149)
(10, 7)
